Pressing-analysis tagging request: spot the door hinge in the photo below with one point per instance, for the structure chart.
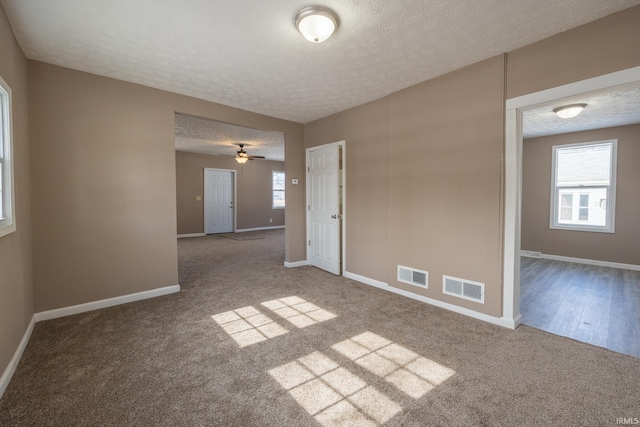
(308, 168)
(309, 242)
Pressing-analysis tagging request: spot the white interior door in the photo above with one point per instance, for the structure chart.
(218, 201)
(323, 209)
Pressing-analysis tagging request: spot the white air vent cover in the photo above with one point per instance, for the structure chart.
(413, 277)
(462, 288)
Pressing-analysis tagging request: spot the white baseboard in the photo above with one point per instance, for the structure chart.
(513, 323)
(244, 230)
(367, 280)
(296, 264)
(13, 363)
(584, 261)
(531, 254)
(500, 321)
(183, 236)
(109, 302)
(68, 311)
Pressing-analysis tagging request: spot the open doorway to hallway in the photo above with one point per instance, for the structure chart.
(223, 189)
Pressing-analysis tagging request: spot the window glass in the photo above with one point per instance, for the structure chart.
(278, 189)
(566, 206)
(584, 207)
(7, 220)
(583, 195)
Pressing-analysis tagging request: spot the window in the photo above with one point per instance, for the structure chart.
(583, 186)
(7, 211)
(278, 190)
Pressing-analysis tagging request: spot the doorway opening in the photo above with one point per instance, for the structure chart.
(203, 143)
(518, 111)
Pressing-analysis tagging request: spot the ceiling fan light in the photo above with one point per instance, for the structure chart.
(569, 111)
(242, 159)
(316, 23)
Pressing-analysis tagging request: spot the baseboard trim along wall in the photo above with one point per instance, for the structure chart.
(244, 230)
(535, 254)
(184, 236)
(68, 311)
(296, 264)
(13, 363)
(500, 321)
(109, 302)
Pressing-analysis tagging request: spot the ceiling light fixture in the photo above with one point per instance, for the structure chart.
(242, 157)
(316, 23)
(569, 111)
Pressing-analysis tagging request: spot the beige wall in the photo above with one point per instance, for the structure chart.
(445, 145)
(600, 47)
(254, 179)
(423, 191)
(16, 285)
(622, 246)
(365, 129)
(104, 183)
(428, 159)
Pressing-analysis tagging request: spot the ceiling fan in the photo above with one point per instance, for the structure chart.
(243, 156)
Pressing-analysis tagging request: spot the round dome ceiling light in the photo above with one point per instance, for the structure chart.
(316, 23)
(569, 111)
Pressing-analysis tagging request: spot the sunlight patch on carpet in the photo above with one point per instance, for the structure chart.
(248, 326)
(298, 311)
(406, 370)
(332, 394)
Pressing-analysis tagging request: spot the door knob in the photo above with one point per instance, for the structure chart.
(334, 216)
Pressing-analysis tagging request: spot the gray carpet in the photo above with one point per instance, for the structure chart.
(249, 342)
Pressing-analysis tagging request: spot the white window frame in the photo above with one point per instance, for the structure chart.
(609, 227)
(7, 211)
(273, 191)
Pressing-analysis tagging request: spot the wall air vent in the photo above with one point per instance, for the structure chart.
(413, 277)
(462, 288)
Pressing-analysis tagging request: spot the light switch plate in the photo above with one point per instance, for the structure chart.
(294, 181)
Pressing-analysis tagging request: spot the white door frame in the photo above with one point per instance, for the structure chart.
(343, 175)
(204, 195)
(513, 174)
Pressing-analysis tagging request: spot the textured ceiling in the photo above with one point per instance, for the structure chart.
(249, 54)
(198, 135)
(617, 107)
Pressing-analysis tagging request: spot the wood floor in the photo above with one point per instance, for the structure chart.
(597, 305)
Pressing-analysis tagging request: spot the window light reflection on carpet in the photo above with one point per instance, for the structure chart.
(406, 370)
(248, 326)
(298, 311)
(333, 395)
